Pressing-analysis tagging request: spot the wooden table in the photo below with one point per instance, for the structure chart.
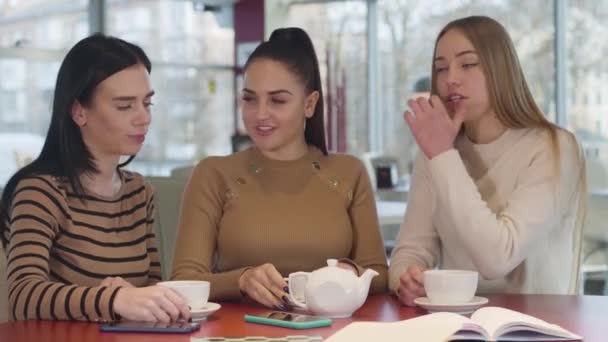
(583, 315)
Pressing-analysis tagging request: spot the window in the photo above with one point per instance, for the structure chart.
(192, 54)
(34, 36)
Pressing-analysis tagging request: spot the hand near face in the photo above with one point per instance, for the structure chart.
(432, 126)
(411, 285)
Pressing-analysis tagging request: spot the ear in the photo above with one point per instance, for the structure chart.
(78, 114)
(310, 104)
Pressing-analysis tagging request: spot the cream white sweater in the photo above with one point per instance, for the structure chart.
(505, 209)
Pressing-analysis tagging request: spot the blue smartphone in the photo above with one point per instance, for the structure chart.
(289, 320)
(151, 327)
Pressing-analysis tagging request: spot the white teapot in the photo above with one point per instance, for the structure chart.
(330, 291)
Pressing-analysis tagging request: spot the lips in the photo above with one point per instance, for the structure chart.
(137, 138)
(263, 130)
(454, 98)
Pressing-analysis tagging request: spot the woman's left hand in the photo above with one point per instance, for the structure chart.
(432, 126)
(115, 282)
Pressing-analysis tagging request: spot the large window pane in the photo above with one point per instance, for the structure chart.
(192, 53)
(587, 100)
(34, 36)
(47, 24)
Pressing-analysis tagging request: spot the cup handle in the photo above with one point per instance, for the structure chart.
(293, 276)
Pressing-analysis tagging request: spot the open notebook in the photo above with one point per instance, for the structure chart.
(486, 324)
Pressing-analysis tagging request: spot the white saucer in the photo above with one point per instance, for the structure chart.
(207, 310)
(461, 308)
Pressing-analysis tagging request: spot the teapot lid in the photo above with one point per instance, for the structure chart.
(332, 269)
(332, 262)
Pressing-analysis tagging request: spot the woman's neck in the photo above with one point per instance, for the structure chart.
(290, 152)
(106, 181)
(485, 129)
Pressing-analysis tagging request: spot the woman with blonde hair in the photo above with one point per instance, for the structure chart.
(497, 188)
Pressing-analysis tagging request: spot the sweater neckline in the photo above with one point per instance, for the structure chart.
(262, 161)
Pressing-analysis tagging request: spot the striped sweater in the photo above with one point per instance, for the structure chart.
(62, 248)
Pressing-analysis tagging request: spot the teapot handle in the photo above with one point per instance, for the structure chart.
(301, 278)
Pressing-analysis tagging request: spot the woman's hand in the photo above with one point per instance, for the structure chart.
(150, 304)
(432, 126)
(411, 285)
(265, 285)
(116, 282)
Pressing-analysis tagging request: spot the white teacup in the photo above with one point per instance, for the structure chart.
(450, 286)
(194, 292)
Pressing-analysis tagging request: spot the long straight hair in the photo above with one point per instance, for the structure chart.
(64, 153)
(293, 48)
(512, 101)
(509, 94)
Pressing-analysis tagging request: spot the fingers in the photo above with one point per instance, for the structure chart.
(417, 273)
(265, 285)
(272, 282)
(168, 306)
(107, 282)
(115, 282)
(415, 107)
(436, 103)
(425, 105)
(411, 285)
(179, 303)
(410, 120)
(263, 295)
(159, 314)
(121, 282)
(276, 283)
(406, 297)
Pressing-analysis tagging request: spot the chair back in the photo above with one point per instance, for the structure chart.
(167, 202)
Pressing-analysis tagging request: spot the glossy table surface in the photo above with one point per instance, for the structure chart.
(584, 315)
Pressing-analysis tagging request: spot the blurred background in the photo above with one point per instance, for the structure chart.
(374, 55)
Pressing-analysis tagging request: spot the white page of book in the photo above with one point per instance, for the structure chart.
(437, 327)
(498, 321)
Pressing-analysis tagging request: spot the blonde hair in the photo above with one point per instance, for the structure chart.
(509, 94)
(510, 97)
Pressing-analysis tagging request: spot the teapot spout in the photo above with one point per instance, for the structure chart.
(365, 281)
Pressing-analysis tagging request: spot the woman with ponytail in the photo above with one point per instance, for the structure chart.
(286, 204)
(77, 228)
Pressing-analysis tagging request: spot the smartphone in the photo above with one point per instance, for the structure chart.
(289, 320)
(151, 327)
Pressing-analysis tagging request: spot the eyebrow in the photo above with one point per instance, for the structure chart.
(131, 98)
(273, 92)
(461, 53)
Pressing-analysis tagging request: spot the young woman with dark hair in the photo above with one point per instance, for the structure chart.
(77, 228)
(286, 204)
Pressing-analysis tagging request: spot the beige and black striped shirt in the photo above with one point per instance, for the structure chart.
(61, 248)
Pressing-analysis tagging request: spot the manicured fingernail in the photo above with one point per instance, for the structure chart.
(286, 289)
(285, 307)
(285, 299)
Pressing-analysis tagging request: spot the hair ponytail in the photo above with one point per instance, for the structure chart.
(292, 47)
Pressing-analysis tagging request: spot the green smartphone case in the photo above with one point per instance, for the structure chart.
(322, 322)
